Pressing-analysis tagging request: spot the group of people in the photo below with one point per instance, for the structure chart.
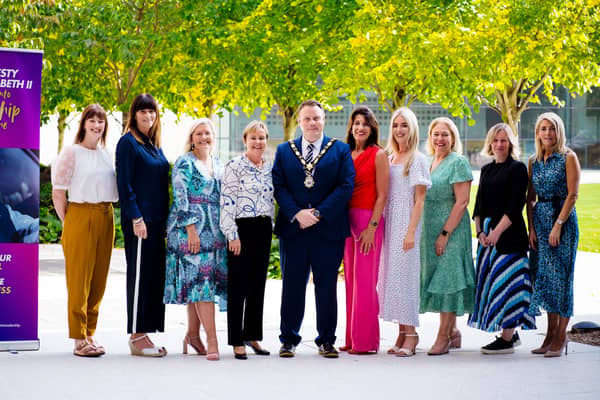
(397, 218)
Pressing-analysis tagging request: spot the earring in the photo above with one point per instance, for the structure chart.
(193, 146)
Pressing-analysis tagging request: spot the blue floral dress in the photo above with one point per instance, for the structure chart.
(197, 277)
(553, 267)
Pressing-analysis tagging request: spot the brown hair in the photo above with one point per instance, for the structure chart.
(93, 110)
(310, 103)
(253, 126)
(373, 138)
(144, 101)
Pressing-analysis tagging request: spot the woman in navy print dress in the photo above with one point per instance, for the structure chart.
(196, 248)
(554, 174)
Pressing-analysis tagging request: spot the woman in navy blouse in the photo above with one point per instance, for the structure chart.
(143, 185)
(247, 209)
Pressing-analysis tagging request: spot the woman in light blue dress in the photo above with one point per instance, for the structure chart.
(554, 174)
(196, 248)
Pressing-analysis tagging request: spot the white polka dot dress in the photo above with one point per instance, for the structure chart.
(400, 270)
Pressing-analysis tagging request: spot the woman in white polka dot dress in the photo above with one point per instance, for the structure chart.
(400, 266)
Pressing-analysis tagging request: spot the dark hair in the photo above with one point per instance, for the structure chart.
(310, 103)
(93, 110)
(144, 101)
(373, 139)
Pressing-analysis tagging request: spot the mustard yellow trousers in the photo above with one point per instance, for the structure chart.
(87, 241)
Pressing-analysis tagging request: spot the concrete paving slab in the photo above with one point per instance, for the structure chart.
(54, 373)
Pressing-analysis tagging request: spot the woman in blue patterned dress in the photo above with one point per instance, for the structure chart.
(554, 174)
(196, 248)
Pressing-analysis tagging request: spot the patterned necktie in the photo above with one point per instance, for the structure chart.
(309, 154)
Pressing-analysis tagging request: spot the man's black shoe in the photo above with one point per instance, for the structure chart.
(287, 350)
(328, 351)
(499, 346)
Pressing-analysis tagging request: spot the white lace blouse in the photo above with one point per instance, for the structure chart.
(87, 175)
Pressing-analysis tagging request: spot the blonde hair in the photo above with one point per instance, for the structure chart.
(491, 135)
(202, 121)
(456, 143)
(413, 136)
(254, 126)
(559, 127)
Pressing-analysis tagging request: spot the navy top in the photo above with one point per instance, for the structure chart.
(142, 179)
(502, 190)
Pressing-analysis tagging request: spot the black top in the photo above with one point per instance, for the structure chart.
(502, 191)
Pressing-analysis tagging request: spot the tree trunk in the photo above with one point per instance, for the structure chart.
(289, 122)
(124, 121)
(61, 125)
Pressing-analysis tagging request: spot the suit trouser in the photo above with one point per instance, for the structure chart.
(146, 264)
(360, 273)
(299, 255)
(246, 277)
(87, 242)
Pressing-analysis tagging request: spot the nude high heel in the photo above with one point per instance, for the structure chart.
(442, 350)
(215, 355)
(558, 353)
(395, 349)
(188, 341)
(408, 352)
(455, 340)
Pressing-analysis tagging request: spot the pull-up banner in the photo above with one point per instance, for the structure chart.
(20, 93)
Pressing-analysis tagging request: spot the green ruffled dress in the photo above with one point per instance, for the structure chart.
(447, 281)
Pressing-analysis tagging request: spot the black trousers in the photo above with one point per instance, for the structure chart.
(146, 284)
(246, 278)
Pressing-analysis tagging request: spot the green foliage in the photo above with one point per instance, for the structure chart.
(50, 226)
(274, 271)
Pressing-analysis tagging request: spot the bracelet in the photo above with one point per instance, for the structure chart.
(138, 221)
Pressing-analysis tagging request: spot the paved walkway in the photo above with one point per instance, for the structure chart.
(53, 373)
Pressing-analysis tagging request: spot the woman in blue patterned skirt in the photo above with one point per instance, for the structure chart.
(554, 174)
(196, 248)
(503, 293)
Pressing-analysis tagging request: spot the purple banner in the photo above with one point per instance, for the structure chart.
(20, 93)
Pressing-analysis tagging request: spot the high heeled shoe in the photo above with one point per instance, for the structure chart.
(188, 341)
(396, 347)
(240, 356)
(542, 349)
(257, 349)
(558, 353)
(406, 351)
(214, 356)
(148, 351)
(455, 340)
(442, 350)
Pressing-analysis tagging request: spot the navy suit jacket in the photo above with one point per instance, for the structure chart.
(334, 182)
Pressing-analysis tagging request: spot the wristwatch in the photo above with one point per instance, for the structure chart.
(559, 221)
(444, 232)
(374, 223)
(316, 213)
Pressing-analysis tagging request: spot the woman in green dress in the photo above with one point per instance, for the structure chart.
(447, 271)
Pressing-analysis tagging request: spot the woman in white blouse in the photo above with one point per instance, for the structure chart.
(247, 210)
(85, 170)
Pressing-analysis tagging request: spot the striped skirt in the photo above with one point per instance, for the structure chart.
(503, 292)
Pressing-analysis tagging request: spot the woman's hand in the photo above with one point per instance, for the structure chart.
(193, 239)
(140, 230)
(554, 238)
(440, 244)
(493, 237)
(366, 239)
(235, 246)
(482, 238)
(409, 241)
(532, 238)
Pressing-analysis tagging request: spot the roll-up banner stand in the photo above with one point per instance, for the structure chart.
(20, 91)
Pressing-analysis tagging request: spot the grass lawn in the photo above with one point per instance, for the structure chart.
(588, 216)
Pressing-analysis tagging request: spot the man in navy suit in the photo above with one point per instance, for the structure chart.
(313, 177)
